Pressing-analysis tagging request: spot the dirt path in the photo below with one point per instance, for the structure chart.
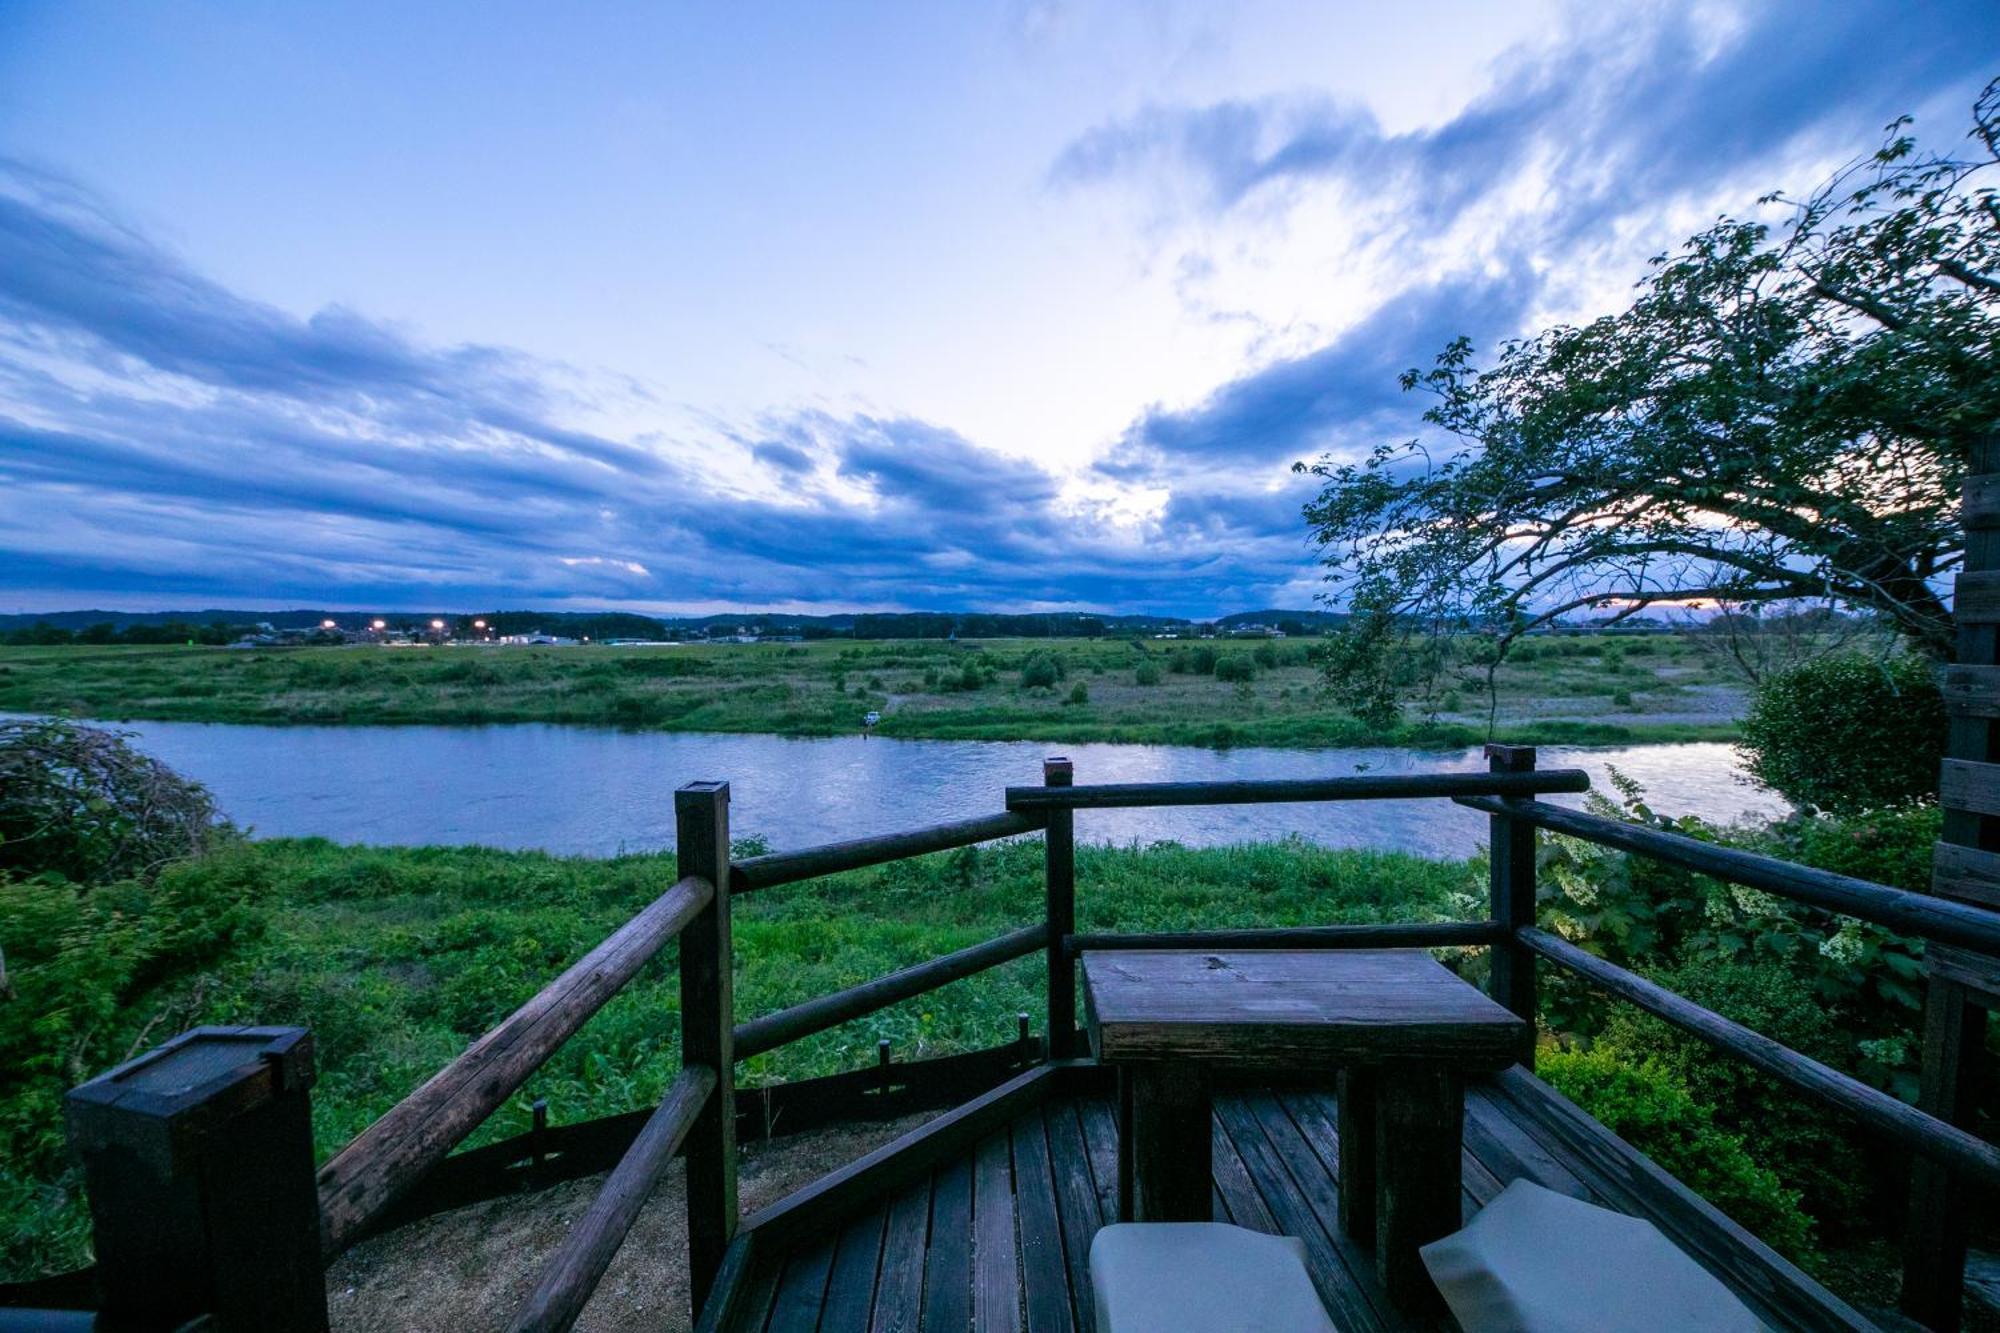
(468, 1270)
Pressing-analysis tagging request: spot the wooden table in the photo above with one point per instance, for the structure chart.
(1399, 1029)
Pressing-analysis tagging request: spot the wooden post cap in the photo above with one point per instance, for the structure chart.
(163, 1105)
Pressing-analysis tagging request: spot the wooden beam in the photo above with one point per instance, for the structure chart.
(1970, 784)
(715, 1313)
(571, 1277)
(1967, 874)
(774, 868)
(1976, 598)
(1387, 787)
(1944, 1143)
(802, 1020)
(1510, 889)
(708, 1029)
(831, 1198)
(1971, 691)
(1911, 913)
(1369, 935)
(1059, 899)
(1980, 506)
(390, 1156)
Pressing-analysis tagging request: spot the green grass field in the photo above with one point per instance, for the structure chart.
(397, 959)
(1584, 689)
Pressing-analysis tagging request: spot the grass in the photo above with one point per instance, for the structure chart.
(397, 959)
(1573, 690)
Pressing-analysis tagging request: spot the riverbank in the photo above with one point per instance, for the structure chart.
(1586, 690)
(397, 959)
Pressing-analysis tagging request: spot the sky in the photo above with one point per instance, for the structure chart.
(1012, 306)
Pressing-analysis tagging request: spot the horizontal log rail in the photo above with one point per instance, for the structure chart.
(774, 868)
(1387, 935)
(1918, 914)
(587, 1251)
(1922, 1133)
(1385, 787)
(388, 1157)
(802, 1020)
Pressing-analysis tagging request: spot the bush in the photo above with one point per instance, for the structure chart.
(1642, 1102)
(1810, 1151)
(1146, 673)
(1202, 661)
(82, 803)
(1079, 693)
(1266, 655)
(1041, 672)
(1848, 733)
(1235, 667)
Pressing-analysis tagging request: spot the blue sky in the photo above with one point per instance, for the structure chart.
(1008, 306)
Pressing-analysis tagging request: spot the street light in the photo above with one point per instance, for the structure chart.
(437, 624)
(379, 625)
(479, 624)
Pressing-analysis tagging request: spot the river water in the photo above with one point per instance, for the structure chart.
(599, 792)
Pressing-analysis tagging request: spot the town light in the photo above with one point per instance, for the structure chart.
(479, 624)
(328, 624)
(379, 625)
(437, 624)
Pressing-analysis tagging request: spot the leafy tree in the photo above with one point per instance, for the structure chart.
(1782, 415)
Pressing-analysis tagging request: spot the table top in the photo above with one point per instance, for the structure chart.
(1293, 1010)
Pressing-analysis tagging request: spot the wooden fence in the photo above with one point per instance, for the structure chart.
(187, 1214)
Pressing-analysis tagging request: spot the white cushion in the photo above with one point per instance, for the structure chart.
(1202, 1277)
(1537, 1260)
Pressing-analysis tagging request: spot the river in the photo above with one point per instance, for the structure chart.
(599, 792)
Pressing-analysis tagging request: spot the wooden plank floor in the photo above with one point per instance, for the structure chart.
(998, 1241)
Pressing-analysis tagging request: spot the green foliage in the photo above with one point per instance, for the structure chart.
(1781, 415)
(1848, 733)
(1146, 673)
(1643, 1103)
(1041, 671)
(1265, 655)
(1814, 1153)
(1079, 694)
(1235, 667)
(398, 958)
(82, 803)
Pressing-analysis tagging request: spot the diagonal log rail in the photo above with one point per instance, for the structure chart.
(775, 868)
(593, 1242)
(1919, 914)
(1386, 787)
(802, 1020)
(388, 1157)
(1922, 1133)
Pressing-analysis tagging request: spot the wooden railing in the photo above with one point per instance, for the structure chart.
(695, 1117)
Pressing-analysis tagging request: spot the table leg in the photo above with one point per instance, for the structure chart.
(1419, 1138)
(1165, 1154)
(1356, 1107)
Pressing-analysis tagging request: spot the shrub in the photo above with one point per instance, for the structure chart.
(1812, 1152)
(1235, 667)
(81, 802)
(1202, 661)
(1848, 733)
(1079, 693)
(1643, 1103)
(1621, 698)
(1146, 673)
(1041, 672)
(1266, 655)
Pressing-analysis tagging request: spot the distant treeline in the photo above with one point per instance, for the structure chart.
(217, 627)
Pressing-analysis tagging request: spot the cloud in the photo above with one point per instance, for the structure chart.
(164, 438)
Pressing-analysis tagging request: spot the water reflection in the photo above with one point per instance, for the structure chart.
(598, 792)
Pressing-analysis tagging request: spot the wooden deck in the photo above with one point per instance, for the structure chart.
(997, 1239)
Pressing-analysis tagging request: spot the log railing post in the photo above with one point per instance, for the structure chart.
(1511, 886)
(1961, 986)
(198, 1158)
(708, 1022)
(1059, 857)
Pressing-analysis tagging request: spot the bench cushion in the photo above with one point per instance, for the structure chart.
(1536, 1260)
(1202, 1277)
